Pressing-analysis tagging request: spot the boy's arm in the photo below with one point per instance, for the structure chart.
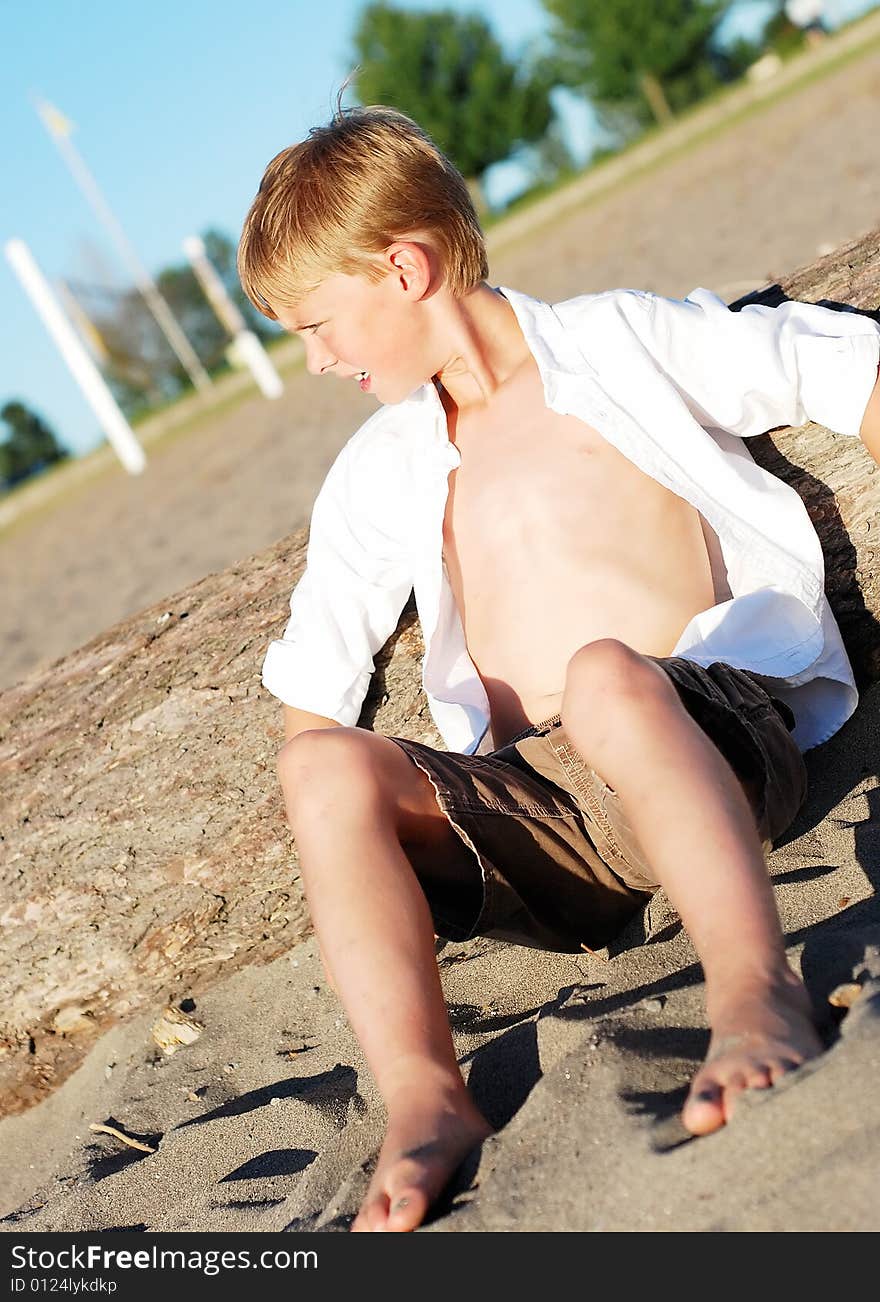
(869, 432)
(297, 721)
(347, 603)
(762, 367)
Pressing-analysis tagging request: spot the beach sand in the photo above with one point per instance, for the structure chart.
(269, 1121)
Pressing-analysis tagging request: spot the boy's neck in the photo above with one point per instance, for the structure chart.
(483, 346)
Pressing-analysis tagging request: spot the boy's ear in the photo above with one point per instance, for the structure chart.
(413, 262)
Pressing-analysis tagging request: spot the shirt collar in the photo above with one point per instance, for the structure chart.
(551, 345)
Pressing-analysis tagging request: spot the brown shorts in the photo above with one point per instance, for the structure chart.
(556, 865)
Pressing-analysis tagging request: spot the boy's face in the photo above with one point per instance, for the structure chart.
(350, 326)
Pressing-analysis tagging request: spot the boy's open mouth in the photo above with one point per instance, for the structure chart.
(364, 381)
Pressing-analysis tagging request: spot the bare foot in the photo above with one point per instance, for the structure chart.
(758, 1036)
(427, 1139)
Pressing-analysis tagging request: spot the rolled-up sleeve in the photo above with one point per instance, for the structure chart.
(346, 605)
(760, 367)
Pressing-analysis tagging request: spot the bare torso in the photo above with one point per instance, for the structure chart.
(553, 539)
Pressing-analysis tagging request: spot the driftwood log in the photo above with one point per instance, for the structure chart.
(145, 851)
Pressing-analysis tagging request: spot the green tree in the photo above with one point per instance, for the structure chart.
(27, 444)
(639, 62)
(553, 157)
(449, 73)
(782, 36)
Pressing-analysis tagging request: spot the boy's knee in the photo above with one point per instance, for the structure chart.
(610, 667)
(607, 677)
(316, 748)
(321, 760)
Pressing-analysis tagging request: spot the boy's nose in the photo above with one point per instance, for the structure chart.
(318, 359)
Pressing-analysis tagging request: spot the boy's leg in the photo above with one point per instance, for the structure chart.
(353, 799)
(699, 834)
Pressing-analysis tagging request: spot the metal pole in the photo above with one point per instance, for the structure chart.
(84, 371)
(247, 347)
(59, 129)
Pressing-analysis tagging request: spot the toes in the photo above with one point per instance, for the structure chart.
(711, 1102)
(783, 1068)
(704, 1110)
(409, 1176)
(400, 1212)
(372, 1216)
(734, 1086)
(408, 1209)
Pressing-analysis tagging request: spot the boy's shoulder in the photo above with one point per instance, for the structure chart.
(633, 308)
(604, 316)
(617, 330)
(604, 305)
(377, 459)
(585, 333)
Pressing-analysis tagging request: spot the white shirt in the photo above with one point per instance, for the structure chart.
(674, 386)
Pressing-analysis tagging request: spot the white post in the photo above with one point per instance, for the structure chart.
(246, 345)
(249, 349)
(59, 128)
(83, 369)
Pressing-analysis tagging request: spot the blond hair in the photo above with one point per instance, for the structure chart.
(336, 200)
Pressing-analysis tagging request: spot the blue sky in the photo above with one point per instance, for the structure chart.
(178, 105)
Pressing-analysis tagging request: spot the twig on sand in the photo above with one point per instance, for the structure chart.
(100, 1129)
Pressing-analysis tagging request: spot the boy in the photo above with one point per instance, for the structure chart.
(627, 641)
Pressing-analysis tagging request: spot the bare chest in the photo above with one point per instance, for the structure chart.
(553, 539)
(534, 484)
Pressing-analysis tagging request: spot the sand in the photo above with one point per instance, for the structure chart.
(269, 1120)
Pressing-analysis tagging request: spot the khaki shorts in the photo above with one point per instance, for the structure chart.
(556, 865)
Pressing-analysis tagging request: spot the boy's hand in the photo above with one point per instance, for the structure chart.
(869, 432)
